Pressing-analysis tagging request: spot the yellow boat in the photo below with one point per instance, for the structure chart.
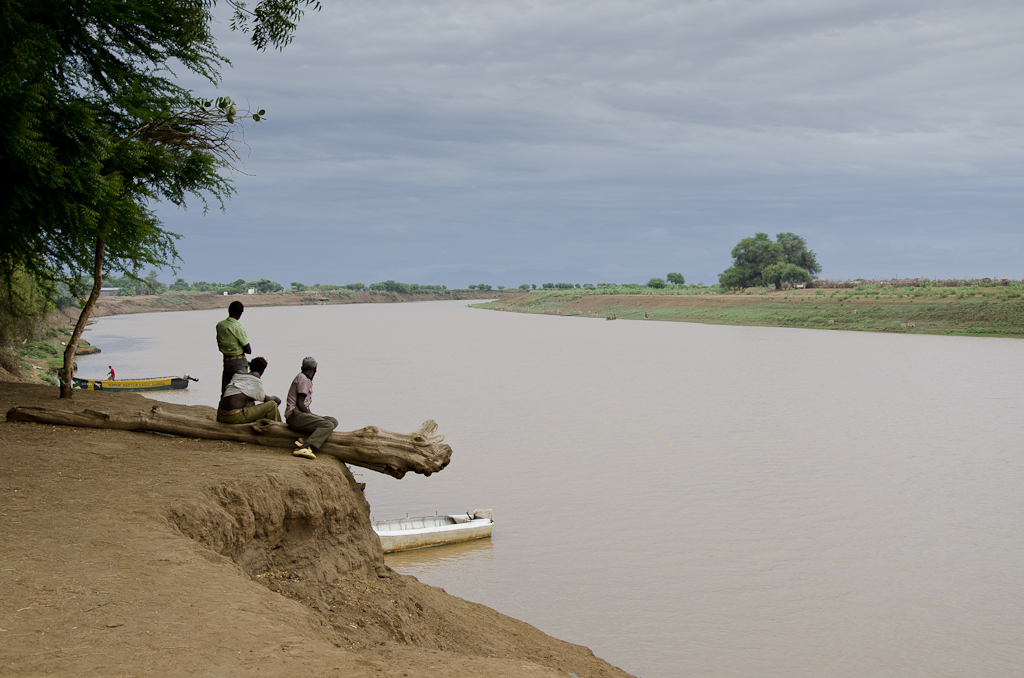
(148, 384)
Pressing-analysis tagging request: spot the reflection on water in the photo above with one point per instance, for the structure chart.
(684, 499)
(467, 554)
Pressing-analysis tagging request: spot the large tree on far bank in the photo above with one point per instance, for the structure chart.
(94, 132)
(760, 261)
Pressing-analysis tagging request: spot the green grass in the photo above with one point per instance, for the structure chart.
(968, 311)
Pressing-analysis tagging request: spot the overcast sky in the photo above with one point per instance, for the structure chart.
(506, 142)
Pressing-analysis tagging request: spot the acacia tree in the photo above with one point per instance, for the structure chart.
(761, 261)
(93, 133)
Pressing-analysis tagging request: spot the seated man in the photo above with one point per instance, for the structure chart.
(238, 406)
(298, 416)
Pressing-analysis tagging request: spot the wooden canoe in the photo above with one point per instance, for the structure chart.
(148, 384)
(405, 534)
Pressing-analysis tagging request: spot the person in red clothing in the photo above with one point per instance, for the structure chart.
(111, 376)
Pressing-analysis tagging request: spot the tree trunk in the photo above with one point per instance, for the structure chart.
(394, 454)
(69, 352)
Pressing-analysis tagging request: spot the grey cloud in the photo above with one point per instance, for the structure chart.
(590, 125)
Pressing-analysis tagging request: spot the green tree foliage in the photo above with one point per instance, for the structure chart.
(390, 286)
(83, 95)
(27, 305)
(265, 286)
(676, 278)
(776, 274)
(269, 22)
(526, 286)
(152, 285)
(93, 131)
(656, 283)
(781, 259)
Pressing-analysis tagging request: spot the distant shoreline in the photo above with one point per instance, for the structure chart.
(836, 309)
(152, 303)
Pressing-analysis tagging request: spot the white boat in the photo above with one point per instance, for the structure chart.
(405, 534)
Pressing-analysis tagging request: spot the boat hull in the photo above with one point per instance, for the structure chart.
(407, 534)
(153, 384)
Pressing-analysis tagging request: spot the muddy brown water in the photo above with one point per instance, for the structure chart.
(684, 499)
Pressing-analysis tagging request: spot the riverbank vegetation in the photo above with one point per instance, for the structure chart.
(971, 308)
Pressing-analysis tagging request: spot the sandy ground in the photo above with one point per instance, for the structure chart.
(138, 554)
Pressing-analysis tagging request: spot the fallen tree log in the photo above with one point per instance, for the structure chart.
(394, 454)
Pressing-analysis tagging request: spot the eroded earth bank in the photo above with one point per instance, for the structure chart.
(138, 554)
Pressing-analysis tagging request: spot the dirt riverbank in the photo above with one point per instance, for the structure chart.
(199, 302)
(137, 554)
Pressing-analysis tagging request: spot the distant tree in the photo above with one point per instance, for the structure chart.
(501, 287)
(297, 287)
(564, 286)
(753, 256)
(548, 286)
(265, 286)
(179, 285)
(153, 285)
(794, 251)
(390, 286)
(776, 274)
(676, 278)
(525, 286)
(355, 286)
(472, 287)
(484, 288)
(533, 287)
(237, 287)
(656, 283)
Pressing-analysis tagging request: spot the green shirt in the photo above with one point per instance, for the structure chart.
(231, 338)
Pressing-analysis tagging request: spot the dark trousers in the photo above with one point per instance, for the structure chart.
(231, 368)
(316, 426)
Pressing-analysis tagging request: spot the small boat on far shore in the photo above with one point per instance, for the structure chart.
(147, 384)
(405, 534)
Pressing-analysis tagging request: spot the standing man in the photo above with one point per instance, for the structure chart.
(233, 343)
(298, 416)
(110, 375)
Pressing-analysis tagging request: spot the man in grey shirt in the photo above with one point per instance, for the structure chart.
(298, 416)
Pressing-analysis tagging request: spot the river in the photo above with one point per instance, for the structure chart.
(684, 499)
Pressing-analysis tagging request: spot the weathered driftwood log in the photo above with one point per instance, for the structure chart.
(392, 453)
